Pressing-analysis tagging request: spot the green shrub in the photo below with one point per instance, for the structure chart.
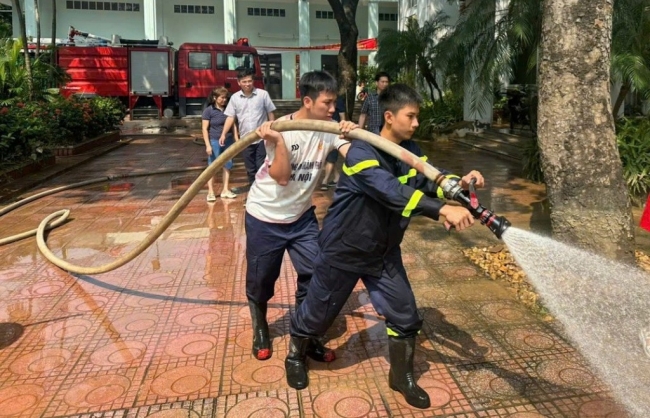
(439, 115)
(633, 137)
(13, 75)
(27, 129)
(366, 75)
(532, 162)
(108, 113)
(23, 128)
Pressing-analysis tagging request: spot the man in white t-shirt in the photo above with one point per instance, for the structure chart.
(279, 212)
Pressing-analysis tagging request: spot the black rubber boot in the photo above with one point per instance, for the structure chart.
(400, 377)
(318, 352)
(262, 349)
(296, 363)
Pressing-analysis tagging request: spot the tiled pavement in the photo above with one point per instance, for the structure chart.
(168, 335)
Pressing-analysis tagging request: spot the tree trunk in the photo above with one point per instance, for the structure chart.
(53, 44)
(625, 89)
(345, 15)
(432, 95)
(589, 199)
(437, 87)
(37, 18)
(23, 37)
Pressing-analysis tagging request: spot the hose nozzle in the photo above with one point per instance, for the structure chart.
(453, 191)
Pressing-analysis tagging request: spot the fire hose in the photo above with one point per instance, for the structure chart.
(450, 187)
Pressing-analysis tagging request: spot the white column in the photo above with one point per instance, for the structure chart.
(304, 35)
(373, 26)
(150, 19)
(229, 21)
(30, 18)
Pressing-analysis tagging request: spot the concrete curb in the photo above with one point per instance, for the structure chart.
(15, 189)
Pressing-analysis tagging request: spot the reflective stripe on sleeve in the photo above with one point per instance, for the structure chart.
(412, 172)
(405, 178)
(359, 167)
(412, 204)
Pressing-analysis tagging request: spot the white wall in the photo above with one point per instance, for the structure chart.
(265, 30)
(98, 22)
(323, 31)
(180, 28)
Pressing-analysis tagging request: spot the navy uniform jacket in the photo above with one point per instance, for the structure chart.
(373, 204)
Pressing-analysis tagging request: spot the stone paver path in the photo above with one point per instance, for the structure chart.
(169, 334)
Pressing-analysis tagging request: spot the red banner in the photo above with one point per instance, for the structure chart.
(645, 218)
(362, 45)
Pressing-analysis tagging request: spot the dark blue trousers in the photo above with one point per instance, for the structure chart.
(254, 156)
(265, 246)
(391, 295)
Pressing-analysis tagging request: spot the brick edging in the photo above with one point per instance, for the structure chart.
(87, 145)
(7, 195)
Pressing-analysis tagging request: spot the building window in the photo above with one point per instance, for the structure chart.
(413, 3)
(194, 9)
(261, 11)
(324, 14)
(388, 17)
(103, 5)
(200, 60)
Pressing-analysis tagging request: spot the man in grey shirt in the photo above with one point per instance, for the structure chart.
(252, 107)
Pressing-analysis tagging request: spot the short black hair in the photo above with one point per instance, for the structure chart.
(313, 83)
(397, 96)
(246, 72)
(381, 74)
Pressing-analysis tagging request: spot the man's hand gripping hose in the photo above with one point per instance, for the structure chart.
(469, 200)
(452, 190)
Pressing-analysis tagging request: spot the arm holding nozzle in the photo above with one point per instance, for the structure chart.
(453, 190)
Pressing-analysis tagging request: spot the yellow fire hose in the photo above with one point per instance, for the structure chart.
(59, 217)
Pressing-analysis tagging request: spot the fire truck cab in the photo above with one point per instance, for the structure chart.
(202, 67)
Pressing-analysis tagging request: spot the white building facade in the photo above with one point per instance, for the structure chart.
(284, 26)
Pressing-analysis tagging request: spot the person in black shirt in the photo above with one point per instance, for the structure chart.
(212, 124)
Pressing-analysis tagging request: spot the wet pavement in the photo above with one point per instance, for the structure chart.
(169, 334)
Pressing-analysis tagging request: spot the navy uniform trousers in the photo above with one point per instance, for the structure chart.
(265, 246)
(254, 156)
(391, 296)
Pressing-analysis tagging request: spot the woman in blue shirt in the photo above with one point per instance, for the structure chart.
(212, 127)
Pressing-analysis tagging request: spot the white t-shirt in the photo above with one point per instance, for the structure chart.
(270, 202)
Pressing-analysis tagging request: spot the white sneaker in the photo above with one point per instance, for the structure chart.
(211, 197)
(228, 195)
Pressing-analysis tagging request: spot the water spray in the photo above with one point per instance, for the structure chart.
(467, 198)
(451, 187)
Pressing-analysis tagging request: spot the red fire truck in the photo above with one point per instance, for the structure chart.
(142, 72)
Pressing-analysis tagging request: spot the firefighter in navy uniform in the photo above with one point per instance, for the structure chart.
(362, 231)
